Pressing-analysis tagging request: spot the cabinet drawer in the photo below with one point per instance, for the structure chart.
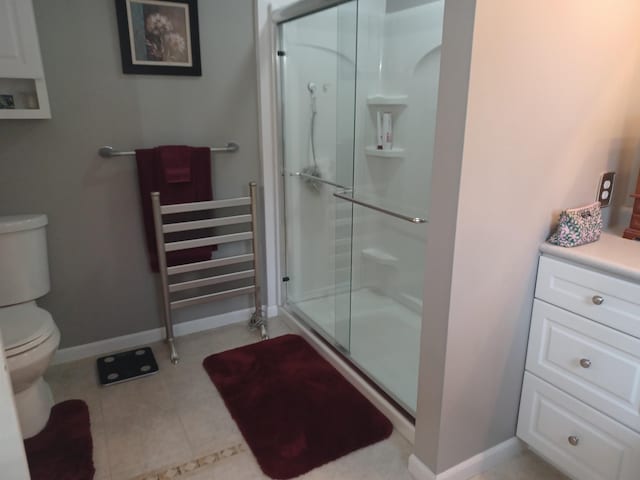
(597, 364)
(578, 439)
(602, 298)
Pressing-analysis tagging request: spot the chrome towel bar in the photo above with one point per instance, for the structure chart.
(407, 218)
(108, 152)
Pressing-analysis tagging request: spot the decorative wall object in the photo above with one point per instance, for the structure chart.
(7, 101)
(159, 37)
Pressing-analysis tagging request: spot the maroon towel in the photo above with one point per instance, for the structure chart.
(176, 163)
(154, 175)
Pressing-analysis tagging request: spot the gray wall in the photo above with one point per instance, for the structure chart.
(101, 284)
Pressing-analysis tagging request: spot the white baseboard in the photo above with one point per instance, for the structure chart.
(124, 342)
(473, 466)
(272, 311)
(399, 421)
(419, 470)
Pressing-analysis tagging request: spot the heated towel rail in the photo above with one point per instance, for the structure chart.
(170, 287)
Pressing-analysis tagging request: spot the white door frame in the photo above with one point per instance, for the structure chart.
(269, 154)
(13, 460)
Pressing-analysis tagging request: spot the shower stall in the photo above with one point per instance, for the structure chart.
(354, 214)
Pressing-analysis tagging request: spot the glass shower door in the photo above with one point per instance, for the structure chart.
(355, 210)
(398, 67)
(317, 83)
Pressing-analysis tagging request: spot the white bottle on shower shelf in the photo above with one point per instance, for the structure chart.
(387, 131)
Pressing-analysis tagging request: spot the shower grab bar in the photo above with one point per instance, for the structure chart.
(108, 151)
(318, 179)
(407, 218)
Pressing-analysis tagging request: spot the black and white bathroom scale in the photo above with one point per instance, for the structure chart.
(124, 366)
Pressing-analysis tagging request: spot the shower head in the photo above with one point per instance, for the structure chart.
(312, 91)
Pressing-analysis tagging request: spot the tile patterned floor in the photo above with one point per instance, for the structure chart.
(174, 425)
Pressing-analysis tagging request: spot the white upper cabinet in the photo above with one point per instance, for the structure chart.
(23, 92)
(19, 49)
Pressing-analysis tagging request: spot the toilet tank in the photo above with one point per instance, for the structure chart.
(24, 266)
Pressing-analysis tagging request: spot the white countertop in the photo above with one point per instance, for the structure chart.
(611, 253)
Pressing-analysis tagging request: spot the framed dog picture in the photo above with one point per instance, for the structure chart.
(159, 37)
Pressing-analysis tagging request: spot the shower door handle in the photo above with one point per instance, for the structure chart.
(317, 179)
(407, 218)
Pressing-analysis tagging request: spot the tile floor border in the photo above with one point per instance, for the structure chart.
(197, 465)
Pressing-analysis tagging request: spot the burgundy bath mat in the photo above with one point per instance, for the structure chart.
(295, 410)
(64, 449)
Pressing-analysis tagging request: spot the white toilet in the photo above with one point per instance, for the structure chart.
(30, 336)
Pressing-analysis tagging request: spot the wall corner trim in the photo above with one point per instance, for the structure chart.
(419, 470)
(124, 342)
(472, 466)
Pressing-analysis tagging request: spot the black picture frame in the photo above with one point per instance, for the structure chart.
(160, 30)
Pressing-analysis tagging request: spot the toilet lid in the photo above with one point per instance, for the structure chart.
(24, 326)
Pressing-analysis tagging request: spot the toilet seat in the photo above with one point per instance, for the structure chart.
(24, 327)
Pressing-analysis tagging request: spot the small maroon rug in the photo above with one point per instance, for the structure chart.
(294, 409)
(64, 449)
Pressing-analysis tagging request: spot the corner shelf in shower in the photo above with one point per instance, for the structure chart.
(396, 152)
(388, 100)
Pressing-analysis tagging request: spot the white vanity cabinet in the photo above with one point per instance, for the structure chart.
(580, 404)
(22, 82)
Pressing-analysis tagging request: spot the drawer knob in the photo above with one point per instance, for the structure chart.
(585, 362)
(573, 441)
(597, 299)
